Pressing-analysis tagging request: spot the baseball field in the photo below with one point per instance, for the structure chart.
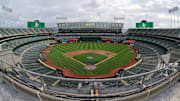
(105, 56)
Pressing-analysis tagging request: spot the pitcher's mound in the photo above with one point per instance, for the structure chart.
(90, 57)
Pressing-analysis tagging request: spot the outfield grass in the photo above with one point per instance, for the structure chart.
(95, 58)
(122, 58)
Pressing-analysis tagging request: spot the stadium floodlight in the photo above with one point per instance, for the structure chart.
(7, 10)
(119, 19)
(61, 18)
(173, 15)
(173, 9)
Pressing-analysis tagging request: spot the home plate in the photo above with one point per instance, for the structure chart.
(90, 67)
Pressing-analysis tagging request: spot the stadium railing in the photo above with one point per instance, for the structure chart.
(158, 76)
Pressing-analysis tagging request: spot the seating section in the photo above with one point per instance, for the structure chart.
(14, 43)
(162, 42)
(159, 49)
(168, 38)
(149, 47)
(31, 63)
(30, 60)
(160, 32)
(149, 62)
(5, 32)
(21, 49)
(175, 55)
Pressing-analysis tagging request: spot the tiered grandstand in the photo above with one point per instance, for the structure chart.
(8, 36)
(151, 73)
(7, 32)
(168, 38)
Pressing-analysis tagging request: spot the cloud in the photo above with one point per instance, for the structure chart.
(47, 11)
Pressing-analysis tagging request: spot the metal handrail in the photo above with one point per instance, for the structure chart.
(88, 80)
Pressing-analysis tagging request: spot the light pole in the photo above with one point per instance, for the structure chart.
(5, 20)
(173, 15)
(120, 21)
(64, 23)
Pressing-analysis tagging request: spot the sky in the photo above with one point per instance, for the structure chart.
(102, 10)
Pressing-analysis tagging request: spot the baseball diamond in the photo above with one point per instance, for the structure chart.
(119, 51)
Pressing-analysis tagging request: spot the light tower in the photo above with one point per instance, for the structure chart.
(118, 20)
(174, 17)
(5, 16)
